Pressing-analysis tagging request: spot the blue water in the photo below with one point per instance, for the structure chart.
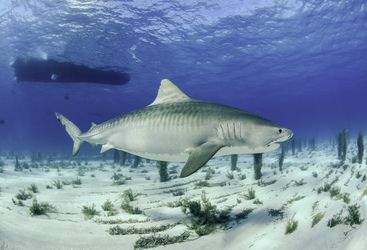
(302, 64)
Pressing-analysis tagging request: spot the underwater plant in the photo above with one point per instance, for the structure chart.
(118, 179)
(257, 165)
(278, 213)
(57, 184)
(208, 174)
(160, 240)
(291, 226)
(17, 202)
(230, 175)
(128, 208)
(204, 217)
(250, 194)
(23, 195)
(317, 218)
(121, 221)
(334, 191)
(243, 214)
(90, 211)
(33, 188)
(241, 176)
(117, 230)
(257, 202)
(358, 175)
(324, 188)
(345, 197)
(353, 217)
(76, 181)
(109, 208)
(178, 192)
(201, 184)
(335, 220)
(41, 208)
(262, 183)
(116, 176)
(129, 195)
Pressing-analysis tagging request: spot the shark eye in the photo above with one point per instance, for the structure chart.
(280, 131)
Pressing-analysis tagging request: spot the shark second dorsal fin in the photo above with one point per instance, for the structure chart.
(169, 92)
(92, 126)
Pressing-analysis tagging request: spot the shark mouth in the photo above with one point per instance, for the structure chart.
(279, 140)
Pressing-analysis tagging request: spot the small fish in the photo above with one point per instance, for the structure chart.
(54, 77)
(177, 128)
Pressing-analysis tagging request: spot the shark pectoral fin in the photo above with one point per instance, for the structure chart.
(106, 147)
(199, 156)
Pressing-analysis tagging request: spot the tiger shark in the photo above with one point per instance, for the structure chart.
(178, 128)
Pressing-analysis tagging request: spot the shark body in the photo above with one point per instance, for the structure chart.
(178, 128)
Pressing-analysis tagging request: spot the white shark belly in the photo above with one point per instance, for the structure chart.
(162, 144)
(173, 146)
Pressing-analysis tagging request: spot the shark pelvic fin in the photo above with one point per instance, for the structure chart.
(168, 92)
(199, 156)
(106, 147)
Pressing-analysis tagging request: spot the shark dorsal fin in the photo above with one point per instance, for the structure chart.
(169, 92)
(93, 125)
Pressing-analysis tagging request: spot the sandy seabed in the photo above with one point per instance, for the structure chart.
(293, 192)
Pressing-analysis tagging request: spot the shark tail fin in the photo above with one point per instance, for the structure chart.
(73, 131)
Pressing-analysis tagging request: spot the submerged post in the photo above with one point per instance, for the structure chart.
(137, 160)
(123, 156)
(257, 165)
(342, 145)
(360, 145)
(163, 174)
(313, 144)
(281, 157)
(234, 159)
(17, 167)
(116, 156)
(293, 145)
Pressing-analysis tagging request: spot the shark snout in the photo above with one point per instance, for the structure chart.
(286, 135)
